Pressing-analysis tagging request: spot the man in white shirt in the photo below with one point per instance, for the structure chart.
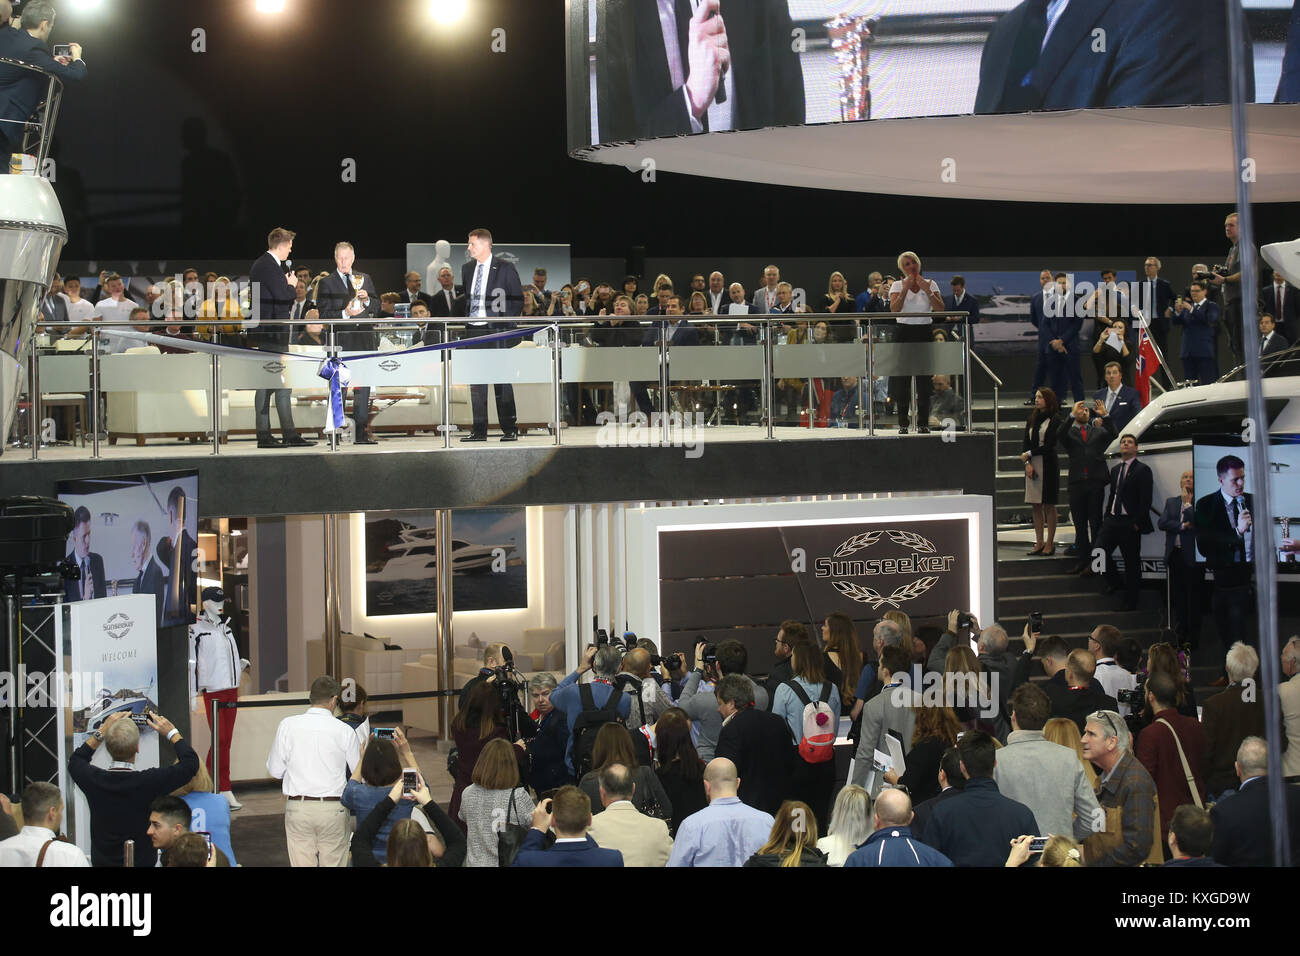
(1104, 642)
(312, 755)
(116, 307)
(717, 293)
(643, 840)
(39, 843)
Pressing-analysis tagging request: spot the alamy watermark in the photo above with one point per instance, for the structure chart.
(638, 430)
(24, 688)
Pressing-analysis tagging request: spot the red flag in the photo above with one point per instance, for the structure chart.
(1147, 365)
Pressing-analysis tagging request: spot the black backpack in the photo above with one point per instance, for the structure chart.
(590, 719)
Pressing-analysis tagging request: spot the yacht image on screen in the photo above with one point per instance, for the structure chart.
(412, 557)
(133, 701)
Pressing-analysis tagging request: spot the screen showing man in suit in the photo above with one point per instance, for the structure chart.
(91, 565)
(674, 67)
(1225, 504)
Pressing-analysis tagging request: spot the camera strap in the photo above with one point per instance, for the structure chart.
(1187, 770)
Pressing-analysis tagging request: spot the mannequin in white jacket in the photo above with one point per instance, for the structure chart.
(215, 669)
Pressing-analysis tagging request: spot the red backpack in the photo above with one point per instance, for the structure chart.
(817, 744)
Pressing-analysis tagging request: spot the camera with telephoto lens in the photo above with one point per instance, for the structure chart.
(673, 661)
(964, 621)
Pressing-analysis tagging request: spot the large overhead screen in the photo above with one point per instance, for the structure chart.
(653, 67)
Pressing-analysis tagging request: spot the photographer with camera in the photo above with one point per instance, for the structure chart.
(480, 721)
(494, 656)
(587, 702)
(712, 663)
(1227, 278)
(636, 679)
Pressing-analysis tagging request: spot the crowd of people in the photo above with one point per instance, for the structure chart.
(639, 760)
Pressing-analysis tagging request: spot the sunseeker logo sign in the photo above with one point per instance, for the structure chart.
(922, 560)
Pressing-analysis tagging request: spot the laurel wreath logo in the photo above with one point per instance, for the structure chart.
(906, 592)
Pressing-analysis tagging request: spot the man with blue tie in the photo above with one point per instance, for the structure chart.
(1126, 519)
(1200, 320)
(494, 292)
(1225, 536)
(569, 813)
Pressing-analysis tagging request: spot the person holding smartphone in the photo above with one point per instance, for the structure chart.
(407, 844)
(23, 89)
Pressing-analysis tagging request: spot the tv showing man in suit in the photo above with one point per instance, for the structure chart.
(92, 583)
(148, 573)
(693, 66)
(1225, 537)
(494, 292)
(1046, 56)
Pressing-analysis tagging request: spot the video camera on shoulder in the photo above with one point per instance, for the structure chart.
(1135, 698)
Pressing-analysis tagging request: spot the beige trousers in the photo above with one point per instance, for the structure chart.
(317, 832)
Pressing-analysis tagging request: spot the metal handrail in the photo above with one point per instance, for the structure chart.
(997, 382)
(48, 108)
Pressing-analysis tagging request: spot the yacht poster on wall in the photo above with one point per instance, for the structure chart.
(488, 551)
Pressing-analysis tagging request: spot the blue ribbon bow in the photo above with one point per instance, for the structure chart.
(336, 373)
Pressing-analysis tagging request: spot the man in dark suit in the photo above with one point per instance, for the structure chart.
(1118, 401)
(1229, 717)
(1029, 64)
(697, 66)
(1126, 518)
(959, 301)
(1243, 825)
(757, 742)
(276, 291)
(1225, 536)
(951, 783)
(21, 91)
(1156, 297)
(54, 307)
(494, 291)
(1186, 575)
(1039, 306)
(1001, 819)
(679, 332)
(338, 297)
(1270, 343)
(569, 813)
(92, 583)
(180, 594)
(1282, 302)
(148, 575)
(1086, 441)
(412, 293)
(1200, 321)
(447, 301)
(1080, 694)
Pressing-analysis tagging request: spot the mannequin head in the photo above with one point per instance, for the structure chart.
(214, 599)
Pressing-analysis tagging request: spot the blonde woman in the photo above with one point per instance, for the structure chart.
(1064, 731)
(221, 303)
(793, 841)
(1057, 851)
(838, 299)
(850, 825)
(913, 295)
(209, 812)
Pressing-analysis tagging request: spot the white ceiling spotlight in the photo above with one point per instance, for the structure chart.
(447, 11)
(270, 6)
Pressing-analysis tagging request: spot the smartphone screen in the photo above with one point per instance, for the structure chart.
(410, 781)
(1036, 844)
(63, 49)
(384, 733)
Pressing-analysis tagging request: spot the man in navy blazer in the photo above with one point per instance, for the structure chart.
(1126, 518)
(1200, 321)
(21, 91)
(1151, 58)
(569, 813)
(1186, 576)
(1243, 828)
(492, 290)
(1156, 298)
(959, 301)
(1227, 540)
(680, 332)
(277, 290)
(1038, 309)
(1120, 402)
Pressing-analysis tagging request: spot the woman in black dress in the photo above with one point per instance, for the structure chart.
(1042, 469)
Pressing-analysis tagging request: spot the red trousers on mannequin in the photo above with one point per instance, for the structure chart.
(227, 718)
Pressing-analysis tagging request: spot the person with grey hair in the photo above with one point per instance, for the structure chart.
(886, 633)
(38, 844)
(1126, 793)
(1243, 823)
(1289, 696)
(756, 741)
(850, 825)
(587, 700)
(547, 770)
(119, 796)
(1230, 717)
(148, 575)
(311, 755)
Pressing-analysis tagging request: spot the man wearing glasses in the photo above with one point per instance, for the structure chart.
(1124, 785)
(790, 634)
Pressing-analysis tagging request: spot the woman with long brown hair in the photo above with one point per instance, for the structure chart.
(680, 770)
(1163, 659)
(843, 657)
(481, 720)
(935, 730)
(1042, 468)
(614, 745)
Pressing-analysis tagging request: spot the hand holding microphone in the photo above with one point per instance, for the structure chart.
(708, 57)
